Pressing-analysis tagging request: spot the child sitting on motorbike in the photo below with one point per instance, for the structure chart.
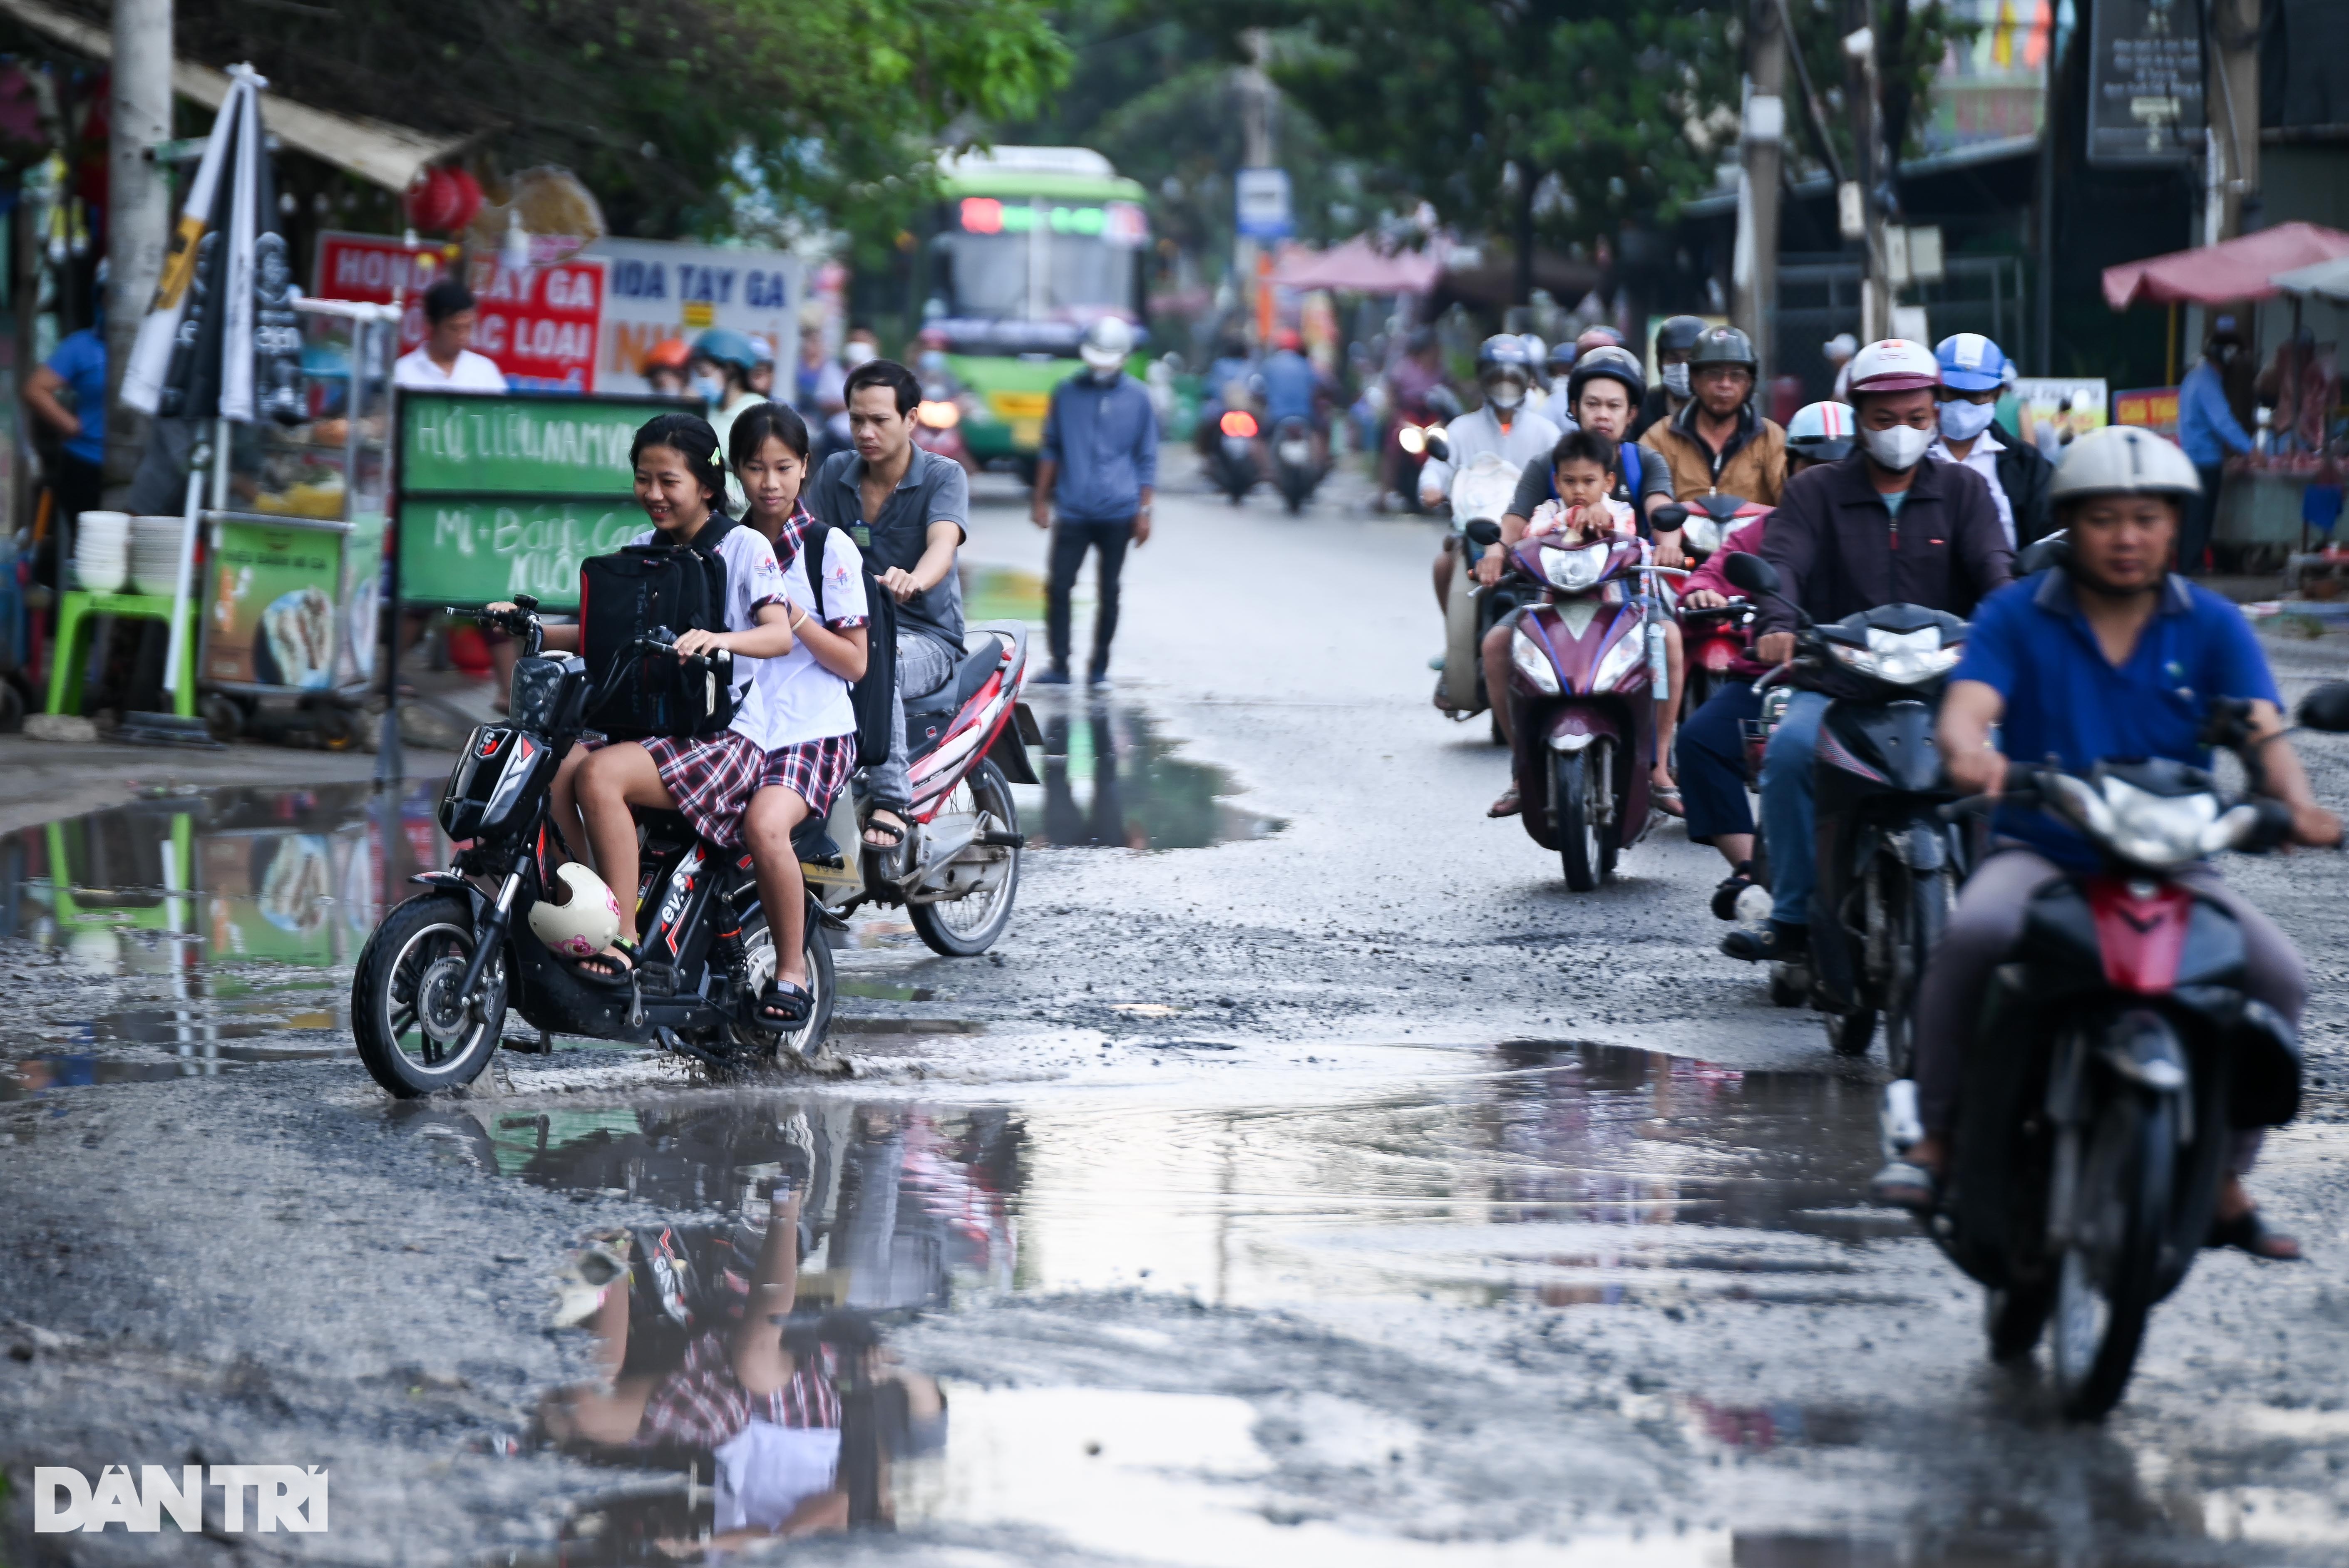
(1583, 465)
(681, 486)
(811, 722)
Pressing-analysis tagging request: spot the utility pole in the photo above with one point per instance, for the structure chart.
(2234, 67)
(139, 206)
(1763, 145)
(1254, 89)
(1860, 93)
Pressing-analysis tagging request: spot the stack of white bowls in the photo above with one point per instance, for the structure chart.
(102, 551)
(155, 553)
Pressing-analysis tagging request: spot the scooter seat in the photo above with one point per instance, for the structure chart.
(969, 675)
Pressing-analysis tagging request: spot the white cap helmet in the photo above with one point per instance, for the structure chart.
(1840, 347)
(585, 921)
(1894, 364)
(1107, 342)
(2122, 459)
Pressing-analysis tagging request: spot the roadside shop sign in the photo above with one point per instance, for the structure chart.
(542, 325)
(506, 495)
(654, 290)
(2152, 407)
(2144, 83)
(1263, 204)
(2075, 404)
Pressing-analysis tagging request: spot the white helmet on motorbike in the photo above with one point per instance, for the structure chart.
(586, 921)
(2122, 459)
(1107, 344)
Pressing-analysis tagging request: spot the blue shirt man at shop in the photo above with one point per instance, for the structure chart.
(1099, 464)
(77, 368)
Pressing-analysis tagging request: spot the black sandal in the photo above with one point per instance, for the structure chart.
(2248, 1232)
(884, 856)
(784, 1006)
(618, 979)
(1725, 896)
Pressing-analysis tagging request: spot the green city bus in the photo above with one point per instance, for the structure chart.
(1029, 246)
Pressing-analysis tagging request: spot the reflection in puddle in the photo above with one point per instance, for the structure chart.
(1111, 779)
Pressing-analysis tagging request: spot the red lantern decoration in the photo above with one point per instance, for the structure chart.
(443, 200)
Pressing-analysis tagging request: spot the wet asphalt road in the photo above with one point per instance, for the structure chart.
(1307, 1177)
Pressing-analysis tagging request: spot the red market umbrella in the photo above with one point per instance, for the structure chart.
(1359, 267)
(2239, 269)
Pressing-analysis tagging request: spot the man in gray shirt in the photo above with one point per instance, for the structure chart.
(908, 510)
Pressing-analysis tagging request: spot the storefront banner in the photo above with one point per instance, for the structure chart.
(655, 290)
(518, 446)
(2153, 408)
(271, 614)
(540, 324)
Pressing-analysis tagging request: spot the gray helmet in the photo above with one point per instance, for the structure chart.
(1503, 351)
(1723, 346)
(2122, 459)
(1611, 364)
(1678, 334)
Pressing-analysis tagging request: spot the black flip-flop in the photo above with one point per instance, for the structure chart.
(793, 1002)
(620, 979)
(2250, 1234)
(883, 855)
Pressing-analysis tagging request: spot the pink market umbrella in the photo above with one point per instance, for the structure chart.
(2238, 269)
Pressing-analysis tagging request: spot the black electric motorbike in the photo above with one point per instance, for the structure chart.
(1295, 472)
(1888, 866)
(438, 975)
(2117, 1057)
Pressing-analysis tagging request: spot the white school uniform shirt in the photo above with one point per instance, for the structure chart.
(752, 579)
(1983, 460)
(765, 1471)
(801, 699)
(415, 372)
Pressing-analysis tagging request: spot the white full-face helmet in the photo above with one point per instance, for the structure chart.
(586, 921)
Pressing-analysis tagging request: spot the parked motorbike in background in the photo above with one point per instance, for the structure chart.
(1587, 667)
(1888, 866)
(2115, 1057)
(1481, 493)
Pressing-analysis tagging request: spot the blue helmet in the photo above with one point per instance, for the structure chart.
(1504, 348)
(1972, 363)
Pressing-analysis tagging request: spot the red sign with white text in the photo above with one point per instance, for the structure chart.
(539, 324)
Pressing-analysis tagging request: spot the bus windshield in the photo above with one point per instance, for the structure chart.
(1005, 261)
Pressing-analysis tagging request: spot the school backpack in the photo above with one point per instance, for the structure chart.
(640, 590)
(874, 693)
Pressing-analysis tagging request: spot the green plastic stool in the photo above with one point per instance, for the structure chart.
(71, 651)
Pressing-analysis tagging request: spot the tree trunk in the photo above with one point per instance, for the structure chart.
(1521, 291)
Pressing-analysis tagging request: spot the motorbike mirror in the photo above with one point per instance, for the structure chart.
(1751, 572)
(1665, 519)
(2327, 708)
(1437, 447)
(2055, 550)
(1485, 533)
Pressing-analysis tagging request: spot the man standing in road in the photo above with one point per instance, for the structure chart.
(1883, 526)
(2209, 431)
(1100, 462)
(908, 510)
(445, 360)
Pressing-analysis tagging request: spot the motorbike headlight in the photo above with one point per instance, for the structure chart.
(1411, 439)
(2157, 831)
(1622, 659)
(940, 414)
(1575, 570)
(1903, 658)
(1532, 662)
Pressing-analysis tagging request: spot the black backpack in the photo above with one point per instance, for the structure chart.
(872, 695)
(642, 589)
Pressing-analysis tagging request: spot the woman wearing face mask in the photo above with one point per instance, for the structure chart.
(1974, 374)
(723, 360)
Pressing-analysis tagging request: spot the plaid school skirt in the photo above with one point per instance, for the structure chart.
(814, 770)
(711, 779)
(702, 1404)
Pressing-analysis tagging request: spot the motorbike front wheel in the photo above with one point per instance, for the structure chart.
(1917, 928)
(967, 926)
(1585, 846)
(412, 1036)
(2108, 1278)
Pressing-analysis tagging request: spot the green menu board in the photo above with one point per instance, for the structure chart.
(507, 494)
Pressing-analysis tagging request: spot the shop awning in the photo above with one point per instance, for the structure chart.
(1359, 266)
(384, 154)
(2242, 268)
(2326, 279)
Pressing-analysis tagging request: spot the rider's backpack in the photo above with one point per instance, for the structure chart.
(873, 693)
(635, 592)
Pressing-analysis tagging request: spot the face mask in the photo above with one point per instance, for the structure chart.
(710, 390)
(1899, 449)
(1676, 380)
(1505, 394)
(1962, 421)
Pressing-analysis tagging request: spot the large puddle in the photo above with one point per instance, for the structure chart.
(1113, 780)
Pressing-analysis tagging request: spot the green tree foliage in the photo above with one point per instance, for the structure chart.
(669, 111)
